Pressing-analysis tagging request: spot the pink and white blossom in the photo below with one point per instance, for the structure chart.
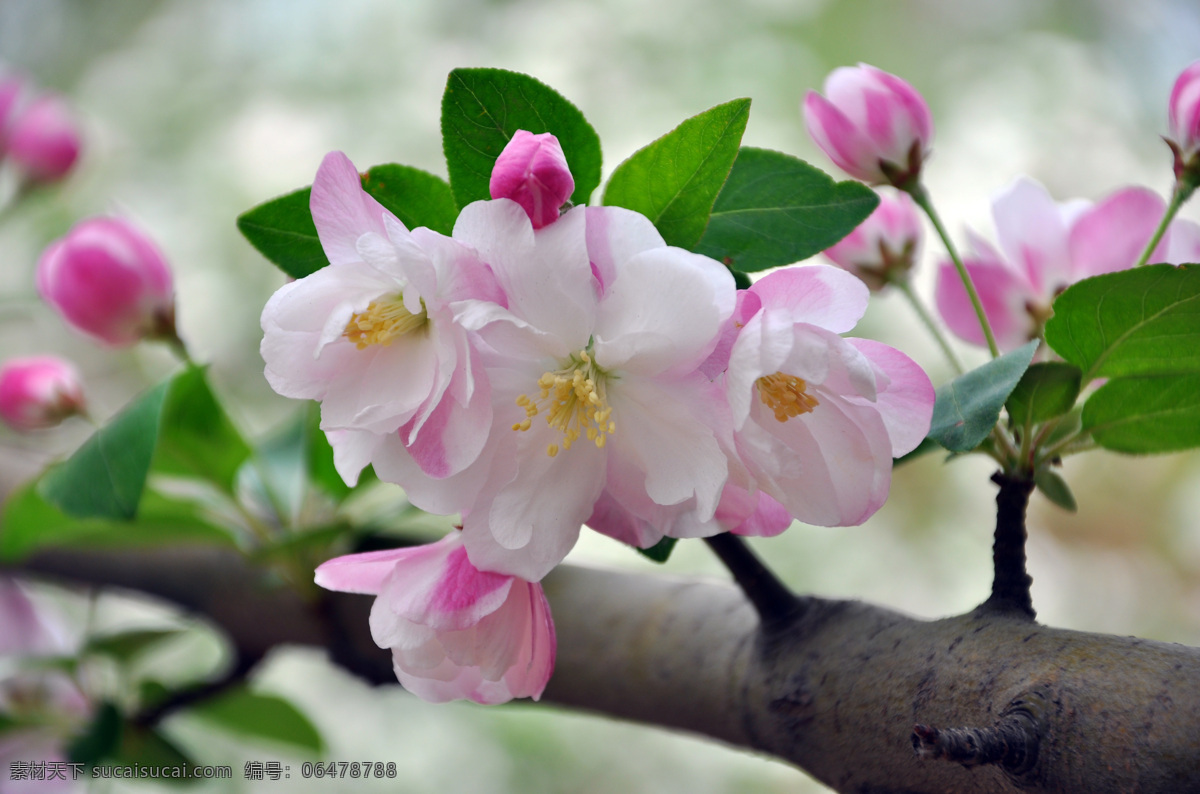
(818, 418)
(374, 338)
(43, 139)
(532, 171)
(454, 631)
(1044, 247)
(873, 125)
(884, 247)
(107, 278)
(593, 364)
(38, 392)
(1183, 121)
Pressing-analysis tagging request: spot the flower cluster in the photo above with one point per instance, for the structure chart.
(538, 371)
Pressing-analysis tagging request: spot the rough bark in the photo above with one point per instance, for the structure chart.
(838, 688)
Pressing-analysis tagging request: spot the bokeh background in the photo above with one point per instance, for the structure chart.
(196, 111)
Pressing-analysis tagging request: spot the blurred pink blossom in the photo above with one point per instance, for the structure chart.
(884, 247)
(108, 279)
(43, 139)
(39, 392)
(1183, 121)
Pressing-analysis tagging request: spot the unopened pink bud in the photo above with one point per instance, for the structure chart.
(884, 247)
(39, 391)
(107, 278)
(873, 125)
(1183, 122)
(532, 171)
(43, 140)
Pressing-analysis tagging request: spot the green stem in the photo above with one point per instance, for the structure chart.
(921, 197)
(1181, 194)
(906, 288)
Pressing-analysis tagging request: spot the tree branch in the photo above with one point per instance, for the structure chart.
(836, 690)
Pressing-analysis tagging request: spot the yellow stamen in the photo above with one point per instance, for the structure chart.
(785, 395)
(382, 321)
(573, 401)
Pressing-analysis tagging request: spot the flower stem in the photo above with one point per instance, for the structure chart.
(1183, 191)
(906, 288)
(921, 197)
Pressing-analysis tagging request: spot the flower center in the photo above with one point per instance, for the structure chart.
(382, 321)
(573, 401)
(785, 395)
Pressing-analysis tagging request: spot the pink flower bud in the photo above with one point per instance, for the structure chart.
(1183, 121)
(532, 171)
(885, 246)
(873, 125)
(39, 391)
(43, 139)
(109, 280)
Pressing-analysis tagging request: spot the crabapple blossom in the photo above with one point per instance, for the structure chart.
(1045, 247)
(873, 125)
(817, 418)
(43, 139)
(884, 247)
(532, 171)
(39, 391)
(1183, 121)
(373, 336)
(454, 631)
(108, 279)
(593, 365)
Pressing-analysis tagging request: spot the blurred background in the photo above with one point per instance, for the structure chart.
(194, 112)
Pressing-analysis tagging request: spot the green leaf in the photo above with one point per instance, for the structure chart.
(29, 522)
(126, 645)
(483, 108)
(415, 197)
(1133, 322)
(105, 477)
(1046, 390)
(100, 740)
(261, 716)
(1145, 415)
(776, 209)
(196, 436)
(967, 407)
(1055, 488)
(147, 747)
(661, 551)
(282, 230)
(675, 180)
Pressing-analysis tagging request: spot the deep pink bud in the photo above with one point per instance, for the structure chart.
(1183, 121)
(532, 171)
(873, 125)
(43, 139)
(39, 391)
(109, 280)
(885, 246)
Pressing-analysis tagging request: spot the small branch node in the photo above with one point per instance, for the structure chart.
(1011, 743)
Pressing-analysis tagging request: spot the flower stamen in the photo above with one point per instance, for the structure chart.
(785, 395)
(574, 403)
(382, 321)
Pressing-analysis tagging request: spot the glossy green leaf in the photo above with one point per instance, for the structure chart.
(776, 209)
(661, 551)
(105, 476)
(1145, 415)
(483, 108)
(196, 436)
(675, 180)
(967, 407)
(417, 198)
(1133, 322)
(29, 522)
(261, 716)
(282, 230)
(1055, 488)
(1046, 390)
(127, 645)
